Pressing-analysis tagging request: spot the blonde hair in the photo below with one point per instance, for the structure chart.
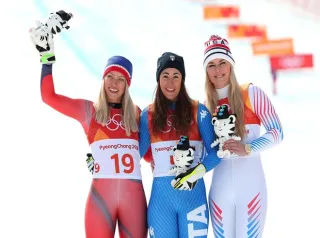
(235, 99)
(129, 110)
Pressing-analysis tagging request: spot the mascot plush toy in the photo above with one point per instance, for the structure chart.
(224, 127)
(183, 156)
(42, 34)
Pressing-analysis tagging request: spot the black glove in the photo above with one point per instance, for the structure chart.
(90, 163)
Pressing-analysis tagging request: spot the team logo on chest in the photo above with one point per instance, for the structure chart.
(170, 125)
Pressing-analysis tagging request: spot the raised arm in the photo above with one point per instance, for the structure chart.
(42, 38)
(79, 109)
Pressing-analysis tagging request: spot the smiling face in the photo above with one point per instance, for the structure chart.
(218, 71)
(114, 86)
(170, 83)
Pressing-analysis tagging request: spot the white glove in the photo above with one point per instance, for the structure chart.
(42, 35)
(43, 43)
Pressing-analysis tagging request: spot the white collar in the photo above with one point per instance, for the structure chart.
(223, 92)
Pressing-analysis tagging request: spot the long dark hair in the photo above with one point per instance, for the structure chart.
(183, 113)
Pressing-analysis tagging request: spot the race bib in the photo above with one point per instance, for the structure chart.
(162, 153)
(116, 158)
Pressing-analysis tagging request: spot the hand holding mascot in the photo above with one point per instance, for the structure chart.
(183, 157)
(224, 125)
(42, 35)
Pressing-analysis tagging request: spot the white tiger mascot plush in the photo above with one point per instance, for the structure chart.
(224, 127)
(55, 24)
(183, 157)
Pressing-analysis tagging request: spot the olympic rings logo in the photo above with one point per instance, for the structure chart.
(115, 122)
(170, 125)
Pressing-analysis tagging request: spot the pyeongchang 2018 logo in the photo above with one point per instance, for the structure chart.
(119, 146)
(167, 148)
(170, 125)
(115, 122)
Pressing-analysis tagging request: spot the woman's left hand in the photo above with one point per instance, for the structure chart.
(235, 147)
